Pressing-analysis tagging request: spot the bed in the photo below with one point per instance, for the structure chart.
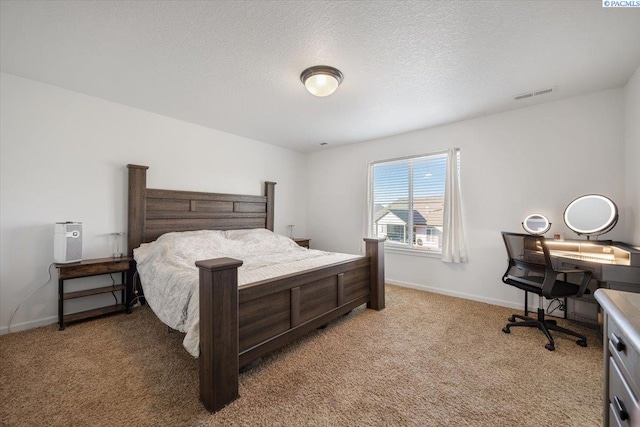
(240, 324)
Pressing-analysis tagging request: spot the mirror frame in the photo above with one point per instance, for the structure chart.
(611, 222)
(536, 232)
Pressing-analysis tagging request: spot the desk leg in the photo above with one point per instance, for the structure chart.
(526, 303)
(565, 277)
(60, 304)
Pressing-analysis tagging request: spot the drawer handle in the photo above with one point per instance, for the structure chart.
(622, 411)
(618, 343)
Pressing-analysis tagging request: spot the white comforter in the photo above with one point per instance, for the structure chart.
(170, 278)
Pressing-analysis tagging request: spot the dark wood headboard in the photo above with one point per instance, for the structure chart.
(155, 212)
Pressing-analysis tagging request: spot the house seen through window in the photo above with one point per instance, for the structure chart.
(408, 201)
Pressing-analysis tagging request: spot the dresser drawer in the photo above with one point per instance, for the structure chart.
(625, 355)
(614, 419)
(622, 400)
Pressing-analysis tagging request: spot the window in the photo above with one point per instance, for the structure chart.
(407, 197)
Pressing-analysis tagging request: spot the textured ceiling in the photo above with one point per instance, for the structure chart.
(235, 66)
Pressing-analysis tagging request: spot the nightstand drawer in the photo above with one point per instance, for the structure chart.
(86, 268)
(302, 241)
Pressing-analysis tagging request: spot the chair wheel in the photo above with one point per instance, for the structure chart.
(512, 319)
(550, 347)
(506, 330)
(582, 343)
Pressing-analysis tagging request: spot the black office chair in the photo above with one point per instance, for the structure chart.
(531, 270)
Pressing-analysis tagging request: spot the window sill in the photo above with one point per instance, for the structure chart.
(412, 252)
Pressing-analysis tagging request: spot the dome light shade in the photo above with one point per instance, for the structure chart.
(321, 80)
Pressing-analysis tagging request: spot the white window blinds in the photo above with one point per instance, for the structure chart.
(408, 201)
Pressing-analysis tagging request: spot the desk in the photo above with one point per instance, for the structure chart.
(614, 265)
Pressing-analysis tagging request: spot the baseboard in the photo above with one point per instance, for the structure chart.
(478, 298)
(28, 325)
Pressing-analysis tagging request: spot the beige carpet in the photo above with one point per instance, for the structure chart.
(427, 360)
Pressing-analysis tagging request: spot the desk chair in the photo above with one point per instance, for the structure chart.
(531, 270)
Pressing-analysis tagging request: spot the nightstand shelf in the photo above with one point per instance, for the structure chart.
(94, 291)
(88, 268)
(89, 314)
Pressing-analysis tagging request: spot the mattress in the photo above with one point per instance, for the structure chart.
(170, 278)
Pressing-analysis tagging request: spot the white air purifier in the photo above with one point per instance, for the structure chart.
(67, 242)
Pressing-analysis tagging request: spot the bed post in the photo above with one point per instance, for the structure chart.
(136, 221)
(270, 192)
(137, 206)
(375, 251)
(219, 332)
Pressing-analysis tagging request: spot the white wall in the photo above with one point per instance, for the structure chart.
(63, 157)
(632, 156)
(534, 159)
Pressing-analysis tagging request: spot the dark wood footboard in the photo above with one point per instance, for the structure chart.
(239, 325)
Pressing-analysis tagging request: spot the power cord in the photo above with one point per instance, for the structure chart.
(113, 285)
(29, 296)
(136, 299)
(560, 306)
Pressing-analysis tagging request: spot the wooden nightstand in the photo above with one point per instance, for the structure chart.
(87, 268)
(302, 241)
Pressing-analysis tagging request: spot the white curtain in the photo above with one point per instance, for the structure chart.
(368, 224)
(454, 247)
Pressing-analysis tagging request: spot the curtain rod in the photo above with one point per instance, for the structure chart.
(433, 153)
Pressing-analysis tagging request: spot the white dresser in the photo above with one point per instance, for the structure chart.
(621, 334)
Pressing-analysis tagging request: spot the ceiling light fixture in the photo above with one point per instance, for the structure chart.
(321, 80)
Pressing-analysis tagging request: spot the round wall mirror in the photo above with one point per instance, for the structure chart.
(536, 224)
(592, 214)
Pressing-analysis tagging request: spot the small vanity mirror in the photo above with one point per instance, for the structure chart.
(536, 224)
(590, 215)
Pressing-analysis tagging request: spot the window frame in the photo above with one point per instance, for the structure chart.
(406, 248)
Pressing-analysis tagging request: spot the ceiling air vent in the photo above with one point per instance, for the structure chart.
(535, 93)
